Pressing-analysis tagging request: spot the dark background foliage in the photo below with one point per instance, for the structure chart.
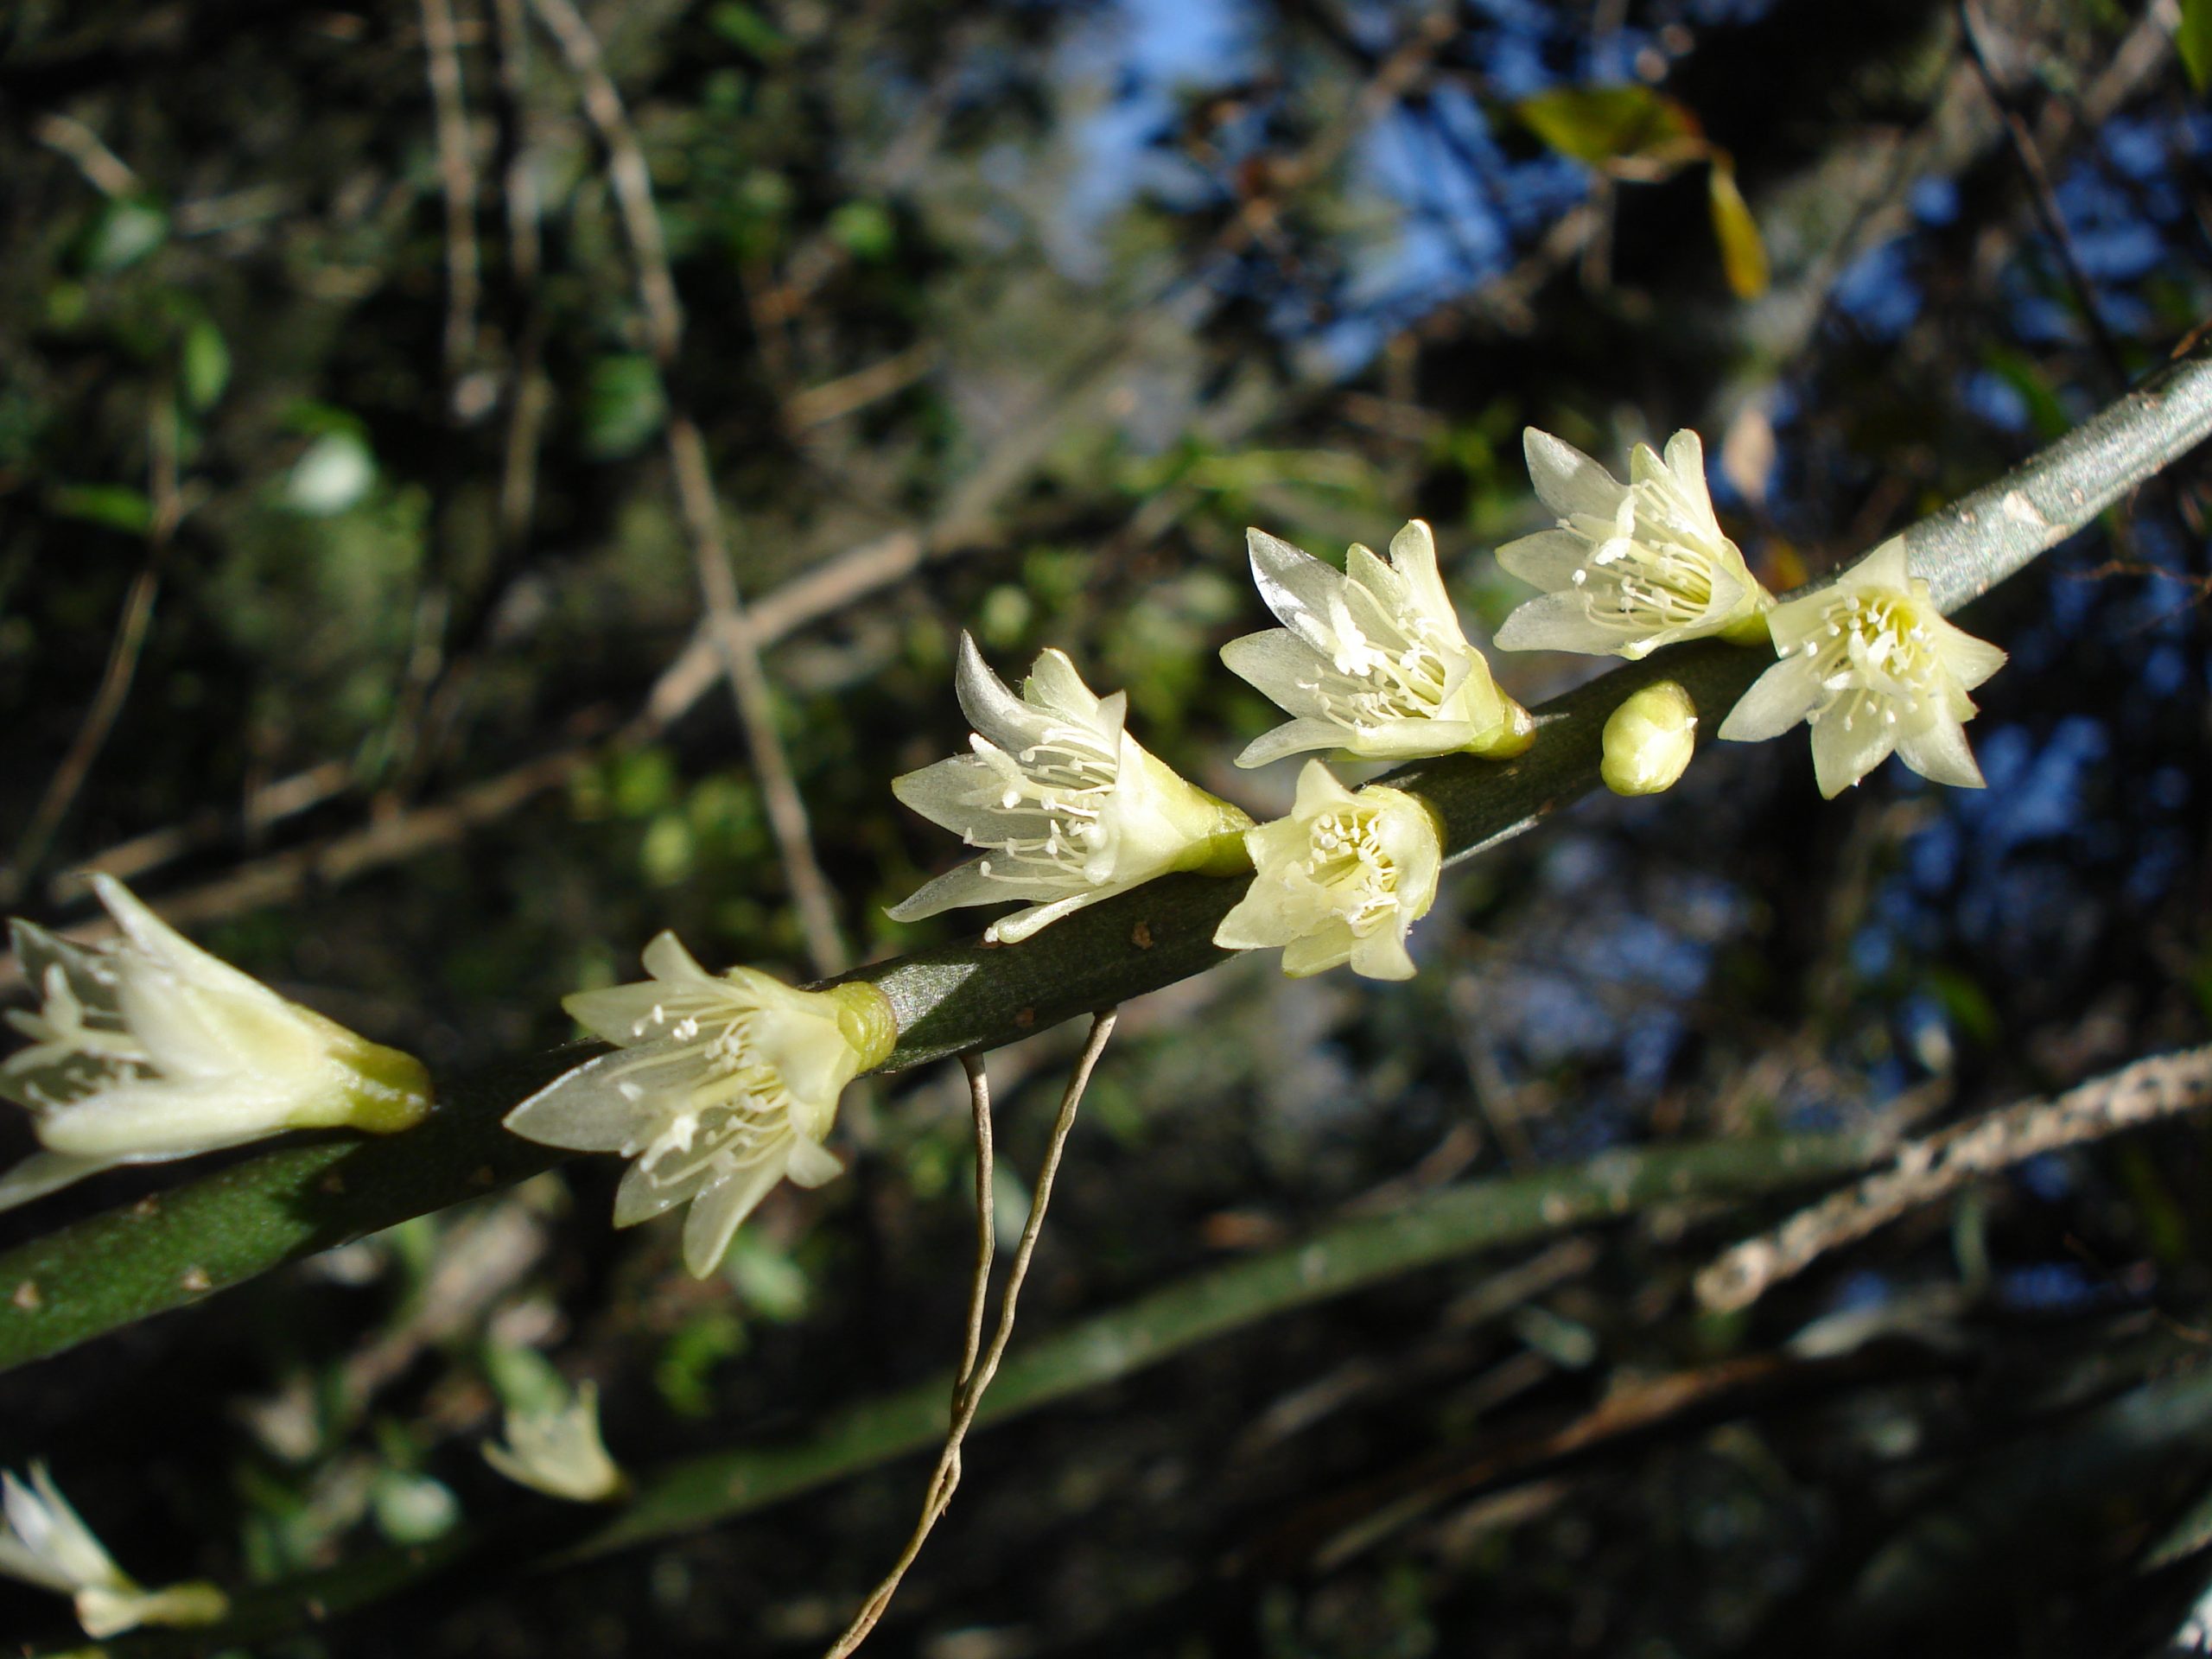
(332, 445)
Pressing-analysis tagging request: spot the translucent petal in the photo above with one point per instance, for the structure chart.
(994, 711)
(945, 793)
(1940, 754)
(1968, 660)
(1318, 791)
(719, 1210)
(582, 1109)
(1317, 952)
(812, 1163)
(1012, 930)
(1409, 739)
(1282, 667)
(666, 958)
(966, 884)
(640, 1197)
(1381, 955)
(1293, 737)
(1778, 699)
(1054, 683)
(1557, 622)
(633, 1014)
(1547, 559)
(1685, 463)
(1843, 753)
(1413, 553)
(1292, 583)
(1568, 481)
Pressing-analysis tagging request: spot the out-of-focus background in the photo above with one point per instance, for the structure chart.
(353, 360)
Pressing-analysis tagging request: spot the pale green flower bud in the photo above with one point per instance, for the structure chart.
(721, 1086)
(1370, 661)
(1068, 807)
(1649, 739)
(1873, 666)
(558, 1450)
(1630, 567)
(146, 1048)
(46, 1544)
(1340, 879)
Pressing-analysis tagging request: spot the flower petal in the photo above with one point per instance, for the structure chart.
(1849, 741)
(1940, 754)
(1291, 581)
(719, 1210)
(1568, 481)
(1778, 699)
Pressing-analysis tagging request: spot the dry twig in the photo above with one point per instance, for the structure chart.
(1930, 1168)
(976, 1373)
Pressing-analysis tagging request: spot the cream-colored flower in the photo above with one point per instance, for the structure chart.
(1873, 665)
(1649, 739)
(146, 1048)
(721, 1086)
(1370, 661)
(1069, 808)
(46, 1544)
(1631, 566)
(558, 1450)
(1340, 879)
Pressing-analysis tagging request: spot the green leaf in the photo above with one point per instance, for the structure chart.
(1599, 125)
(2194, 38)
(1743, 252)
(125, 232)
(624, 406)
(746, 29)
(205, 365)
(865, 229)
(110, 505)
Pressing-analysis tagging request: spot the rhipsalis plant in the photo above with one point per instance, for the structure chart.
(719, 1085)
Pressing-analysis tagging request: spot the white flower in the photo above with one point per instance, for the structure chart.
(721, 1086)
(147, 1048)
(558, 1451)
(1340, 879)
(1071, 807)
(1631, 566)
(44, 1543)
(1871, 664)
(1649, 739)
(1369, 661)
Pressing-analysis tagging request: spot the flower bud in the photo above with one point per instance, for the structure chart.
(1649, 739)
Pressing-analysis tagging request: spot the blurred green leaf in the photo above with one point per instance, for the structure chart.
(1743, 251)
(1602, 124)
(747, 30)
(2194, 37)
(700, 1345)
(624, 406)
(125, 231)
(865, 229)
(205, 365)
(110, 505)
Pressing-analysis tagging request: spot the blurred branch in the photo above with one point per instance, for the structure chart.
(1926, 1170)
(1443, 1225)
(441, 52)
(969, 997)
(166, 502)
(736, 646)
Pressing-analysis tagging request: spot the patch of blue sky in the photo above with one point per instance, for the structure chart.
(1994, 398)
(2041, 319)
(2137, 145)
(1552, 1018)
(1139, 57)
(2050, 1288)
(2047, 1176)
(1935, 199)
(2159, 864)
(1931, 855)
(1877, 291)
(1648, 1048)
(1873, 952)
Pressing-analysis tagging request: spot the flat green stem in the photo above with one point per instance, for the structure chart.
(82, 1280)
(1430, 1228)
